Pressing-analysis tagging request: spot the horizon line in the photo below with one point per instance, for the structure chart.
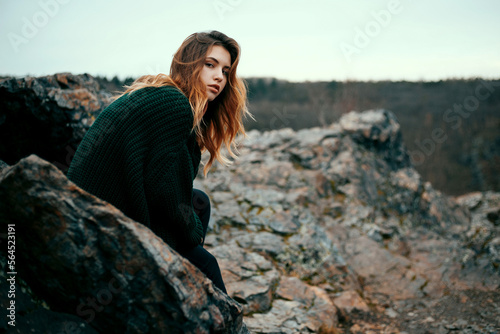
(270, 78)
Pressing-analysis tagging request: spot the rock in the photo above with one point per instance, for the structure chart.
(263, 197)
(226, 211)
(284, 223)
(493, 215)
(266, 242)
(249, 277)
(378, 130)
(83, 257)
(34, 316)
(457, 325)
(382, 273)
(281, 319)
(471, 200)
(391, 313)
(311, 255)
(481, 238)
(320, 309)
(3, 164)
(288, 316)
(257, 140)
(47, 116)
(349, 301)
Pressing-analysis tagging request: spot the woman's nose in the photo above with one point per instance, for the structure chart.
(219, 75)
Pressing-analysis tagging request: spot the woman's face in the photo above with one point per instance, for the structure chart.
(215, 71)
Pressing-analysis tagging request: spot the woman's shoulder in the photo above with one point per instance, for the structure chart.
(168, 93)
(154, 99)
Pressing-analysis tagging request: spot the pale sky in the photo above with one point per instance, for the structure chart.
(291, 40)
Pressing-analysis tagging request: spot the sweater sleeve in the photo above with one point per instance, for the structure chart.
(169, 173)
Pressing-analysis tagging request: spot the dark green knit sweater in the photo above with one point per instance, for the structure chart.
(141, 156)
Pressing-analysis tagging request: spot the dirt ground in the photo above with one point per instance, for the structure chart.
(469, 311)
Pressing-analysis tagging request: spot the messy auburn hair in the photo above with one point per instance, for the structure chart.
(223, 119)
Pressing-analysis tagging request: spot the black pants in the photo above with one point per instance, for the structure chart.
(198, 255)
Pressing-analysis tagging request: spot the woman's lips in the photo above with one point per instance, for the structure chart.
(214, 88)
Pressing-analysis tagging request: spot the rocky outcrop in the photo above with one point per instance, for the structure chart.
(482, 237)
(315, 230)
(47, 116)
(83, 257)
(342, 210)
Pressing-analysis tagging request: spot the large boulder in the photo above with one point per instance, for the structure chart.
(47, 116)
(83, 257)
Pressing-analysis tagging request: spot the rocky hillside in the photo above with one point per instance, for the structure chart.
(323, 230)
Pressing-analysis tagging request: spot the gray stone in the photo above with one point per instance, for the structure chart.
(249, 277)
(349, 301)
(378, 130)
(266, 242)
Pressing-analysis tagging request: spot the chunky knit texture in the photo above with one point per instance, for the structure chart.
(141, 156)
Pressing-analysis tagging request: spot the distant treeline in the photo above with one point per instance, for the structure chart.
(451, 127)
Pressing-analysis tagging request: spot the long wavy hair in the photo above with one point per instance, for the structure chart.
(223, 119)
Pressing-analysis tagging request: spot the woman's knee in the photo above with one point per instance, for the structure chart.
(201, 201)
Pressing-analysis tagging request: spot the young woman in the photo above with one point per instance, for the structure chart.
(143, 151)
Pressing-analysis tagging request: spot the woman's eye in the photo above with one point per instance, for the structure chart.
(209, 64)
(225, 72)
